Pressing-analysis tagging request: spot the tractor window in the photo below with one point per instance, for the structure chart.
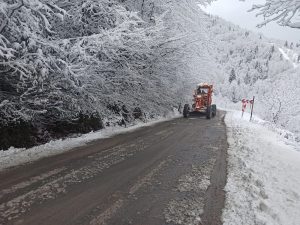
(202, 91)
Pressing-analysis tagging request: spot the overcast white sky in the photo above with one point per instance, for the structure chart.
(236, 12)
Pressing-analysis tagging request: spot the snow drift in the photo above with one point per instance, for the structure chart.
(263, 174)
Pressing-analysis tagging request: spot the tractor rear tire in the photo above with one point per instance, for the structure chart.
(186, 111)
(214, 110)
(208, 112)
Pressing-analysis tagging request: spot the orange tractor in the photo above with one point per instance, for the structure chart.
(202, 102)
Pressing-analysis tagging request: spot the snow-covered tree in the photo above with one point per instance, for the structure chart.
(63, 61)
(232, 75)
(284, 12)
(21, 23)
(25, 63)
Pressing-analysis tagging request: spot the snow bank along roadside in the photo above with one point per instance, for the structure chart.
(18, 156)
(263, 174)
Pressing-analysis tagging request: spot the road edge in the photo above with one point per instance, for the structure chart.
(215, 194)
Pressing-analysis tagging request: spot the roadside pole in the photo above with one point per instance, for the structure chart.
(252, 106)
(244, 105)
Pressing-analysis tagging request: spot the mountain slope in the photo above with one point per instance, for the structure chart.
(252, 65)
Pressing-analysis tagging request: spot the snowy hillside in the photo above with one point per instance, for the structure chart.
(252, 65)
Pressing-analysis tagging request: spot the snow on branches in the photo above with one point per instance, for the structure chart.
(61, 58)
(22, 22)
(101, 52)
(285, 12)
(25, 59)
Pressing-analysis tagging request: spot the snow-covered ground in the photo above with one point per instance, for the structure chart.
(18, 156)
(263, 174)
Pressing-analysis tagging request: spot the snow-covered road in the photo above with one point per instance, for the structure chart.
(263, 174)
(173, 172)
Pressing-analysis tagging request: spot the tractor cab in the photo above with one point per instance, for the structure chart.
(201, 90)
(204, 88)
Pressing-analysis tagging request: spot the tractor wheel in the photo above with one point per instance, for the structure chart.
(186, 110)
(208, 112)
(214, 110)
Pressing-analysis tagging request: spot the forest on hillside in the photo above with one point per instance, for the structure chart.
(70, 67)
(253, 65)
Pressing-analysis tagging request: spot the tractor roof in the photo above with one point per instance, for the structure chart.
(205, 85)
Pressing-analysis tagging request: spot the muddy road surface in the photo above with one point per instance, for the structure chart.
(173, 172)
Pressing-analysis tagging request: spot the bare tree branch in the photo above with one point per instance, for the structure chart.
(284, 12)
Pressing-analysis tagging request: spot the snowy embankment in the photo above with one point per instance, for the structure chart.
(18, 156)
(263, 174)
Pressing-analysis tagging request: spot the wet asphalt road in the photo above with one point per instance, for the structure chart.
(171, 173)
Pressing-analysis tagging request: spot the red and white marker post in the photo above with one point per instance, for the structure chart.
(244, 106)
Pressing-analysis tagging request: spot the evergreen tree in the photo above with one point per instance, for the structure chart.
(256, 49)
(232, 75)
(247, 79)
(273, 48)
